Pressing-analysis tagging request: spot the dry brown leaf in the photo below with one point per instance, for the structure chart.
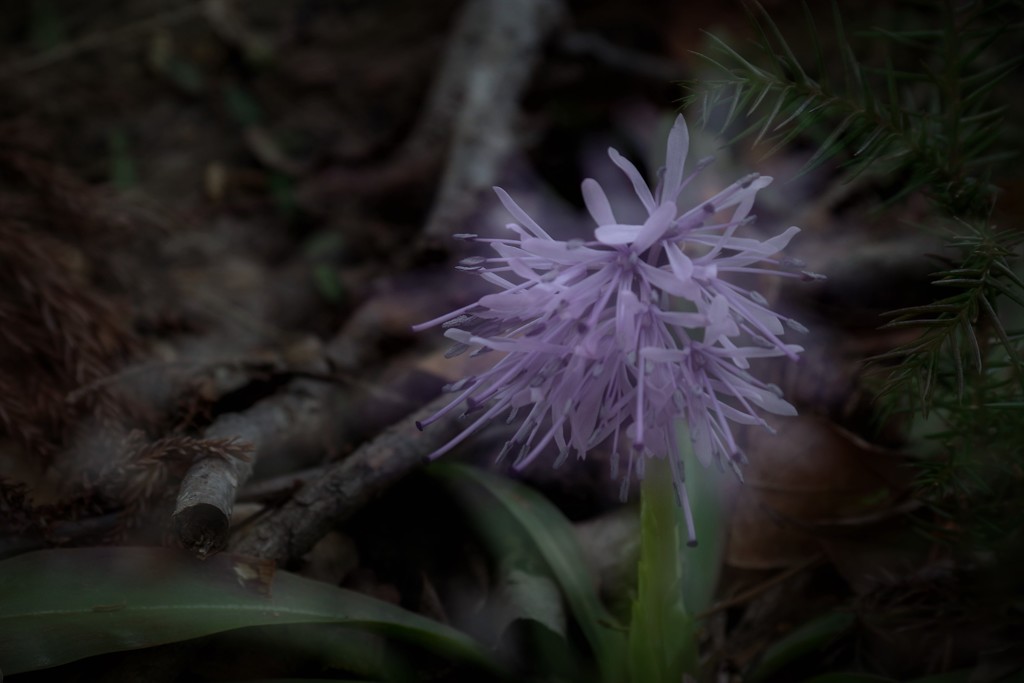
(809, 474)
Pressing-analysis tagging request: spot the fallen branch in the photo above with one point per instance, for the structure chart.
(298, 427)
(207, 495)
(482, 79)
(291, 530)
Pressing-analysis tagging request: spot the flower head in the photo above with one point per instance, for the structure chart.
(620, 336)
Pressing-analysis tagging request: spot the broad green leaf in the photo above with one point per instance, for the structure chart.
(804, 640)
(355, 650)
(534, 597)
(533, 621)
(510, 515)
(962, 676)
(844, 677)
(57, 606)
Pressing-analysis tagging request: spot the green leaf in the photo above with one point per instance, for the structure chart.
(57, 606)
(515, 517)
(534, 597)
(958, 676)
(324, 647)
(805, 640)
(533, 621)
(846, 677)
(306, 680)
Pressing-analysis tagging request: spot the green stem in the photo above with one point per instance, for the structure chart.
(662, 645)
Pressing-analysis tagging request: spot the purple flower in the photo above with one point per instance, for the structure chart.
(621, 336)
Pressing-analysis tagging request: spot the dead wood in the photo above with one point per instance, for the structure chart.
(494, 50)
(307, 422)
(207, 494)
(291, 530)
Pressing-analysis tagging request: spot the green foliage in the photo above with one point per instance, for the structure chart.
(920, 106)
(57, 606)
(959, 331)
(808, 639)
(924, 112)
(975, 479)
(517, 520)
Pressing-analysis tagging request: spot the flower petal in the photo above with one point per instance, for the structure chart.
(617, 234)
(639, 184)
(597, 202)
(520, 215)
(675, 157)
(668, 282)
(720, 322)
(767, 400)
(655, 227)
(682, 266)
(738, 191)
(562, 253)
(679, 319)
(751, 247)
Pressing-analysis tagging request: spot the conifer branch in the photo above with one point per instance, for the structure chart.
(925, 118)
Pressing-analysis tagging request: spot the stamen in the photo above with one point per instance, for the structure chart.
(795, 326)
(792, 263)
(457, 322)
(456, 350)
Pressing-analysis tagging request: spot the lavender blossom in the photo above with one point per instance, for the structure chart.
(620, 336)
